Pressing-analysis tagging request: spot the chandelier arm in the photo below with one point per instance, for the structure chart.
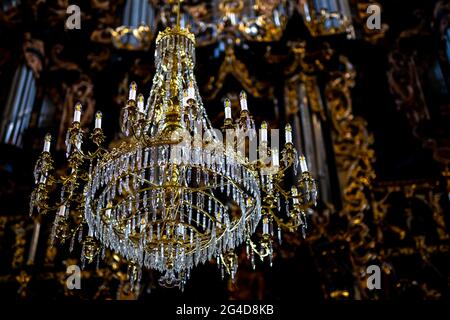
(224, 264)
(260, 254)
(281, 191)
(97, 154)
(289, 225)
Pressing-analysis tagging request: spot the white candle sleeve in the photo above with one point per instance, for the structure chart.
(62, 210)
(264, 132)
(77, 113)
(98, 120)
(132, 94)
(227, 109)
(275, 158)
(47, 142)
(140, 103)
(303, 164)
(227, 112)
(288, 134)
(243, 99)
(191, 91)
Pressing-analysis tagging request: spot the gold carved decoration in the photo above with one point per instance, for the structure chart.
(354, 158)
(34, 54)
(142, 34)
(233, 66)
(19, 245)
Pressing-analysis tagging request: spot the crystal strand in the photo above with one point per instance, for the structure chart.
(198, 217)
(190, 215)
(72, 243)
(53, 232)
(279, 235)
(152, 175)
(305, 222)
(83, 257)
(182, 213)
(80, 234)
(158, 232)
(98, 262)
(189, 175)
(296, 162)
(198, 176)
(303, 231)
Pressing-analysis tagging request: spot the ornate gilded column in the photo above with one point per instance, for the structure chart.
(20, 102)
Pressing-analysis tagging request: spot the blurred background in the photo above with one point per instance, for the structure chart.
(370, 99)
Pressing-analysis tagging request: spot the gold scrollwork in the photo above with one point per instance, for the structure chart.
(233, 66)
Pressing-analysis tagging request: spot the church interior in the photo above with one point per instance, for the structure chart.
(353, 203)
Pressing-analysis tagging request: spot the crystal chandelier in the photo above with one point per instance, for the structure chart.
(174, 193)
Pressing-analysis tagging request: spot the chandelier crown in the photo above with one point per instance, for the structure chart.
(175, 31)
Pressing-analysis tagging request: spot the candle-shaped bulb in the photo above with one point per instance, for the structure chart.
(90, 232)
(264, 131)
(243, 100)
(140, 103)
(275, 157)
(303, 164)
(133, 90)
(227, 108)
(77, 112)
(191, 90)
(98, 120)
(108, 210)
(288, 133)
(265, 225)
(62, 210)
(269, 185)
(47, 141)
